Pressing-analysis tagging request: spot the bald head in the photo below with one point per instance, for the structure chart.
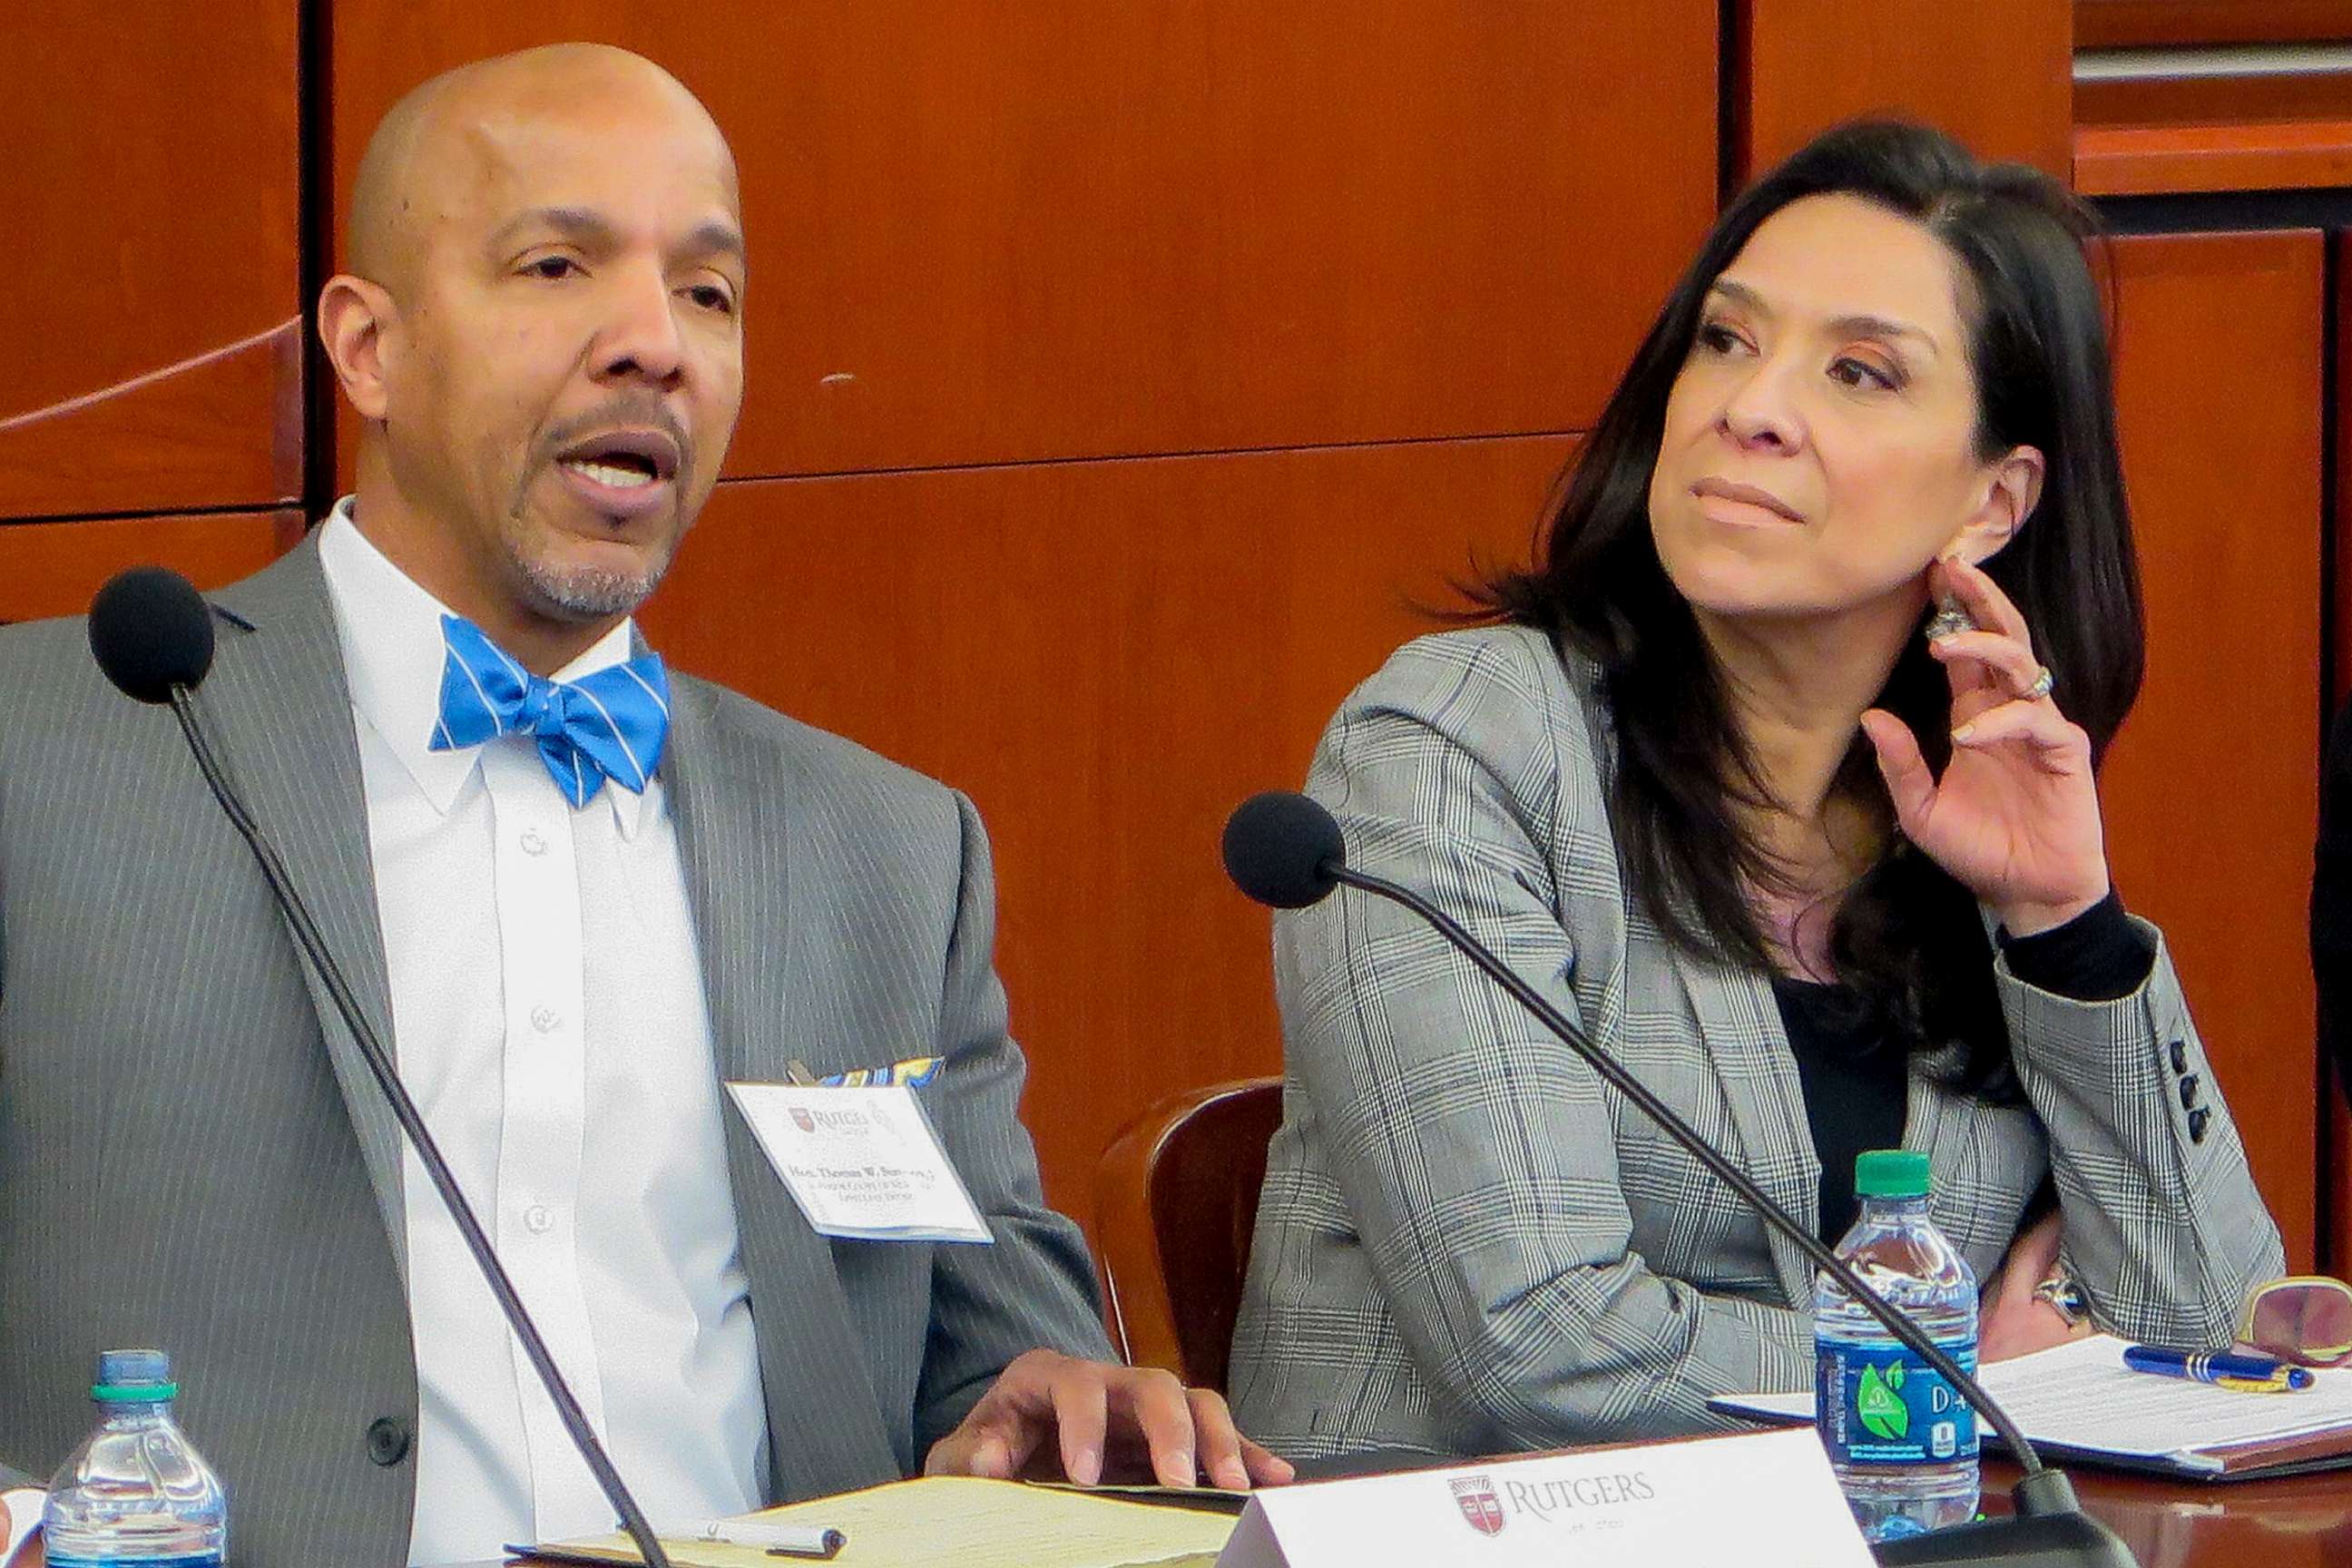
(435, 148)
(542, 329)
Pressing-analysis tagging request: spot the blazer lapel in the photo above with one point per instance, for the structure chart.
(728, 792)
(280, 702)
(1741, 1026)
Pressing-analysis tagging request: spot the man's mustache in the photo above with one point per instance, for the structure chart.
(624, 414)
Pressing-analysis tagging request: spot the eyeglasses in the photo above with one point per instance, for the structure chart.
(2306, 1319)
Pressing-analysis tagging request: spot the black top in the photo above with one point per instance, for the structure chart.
(1855, 1094)
(2331, 903)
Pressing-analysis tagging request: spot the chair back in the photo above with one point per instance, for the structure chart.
(1175, 1202)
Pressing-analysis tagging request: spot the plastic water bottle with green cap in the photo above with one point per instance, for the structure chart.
(1901, 1441)
(136, 1491)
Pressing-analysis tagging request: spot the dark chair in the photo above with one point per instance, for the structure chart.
(1175, 1201)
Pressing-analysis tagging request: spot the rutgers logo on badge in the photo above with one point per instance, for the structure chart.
(1480, 1506)
(803, 1119)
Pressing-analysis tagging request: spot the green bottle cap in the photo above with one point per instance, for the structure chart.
(1891, 1174)
(134, 1377)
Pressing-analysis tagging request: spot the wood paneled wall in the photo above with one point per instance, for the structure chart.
(1000, 231)
(1107, 656)
(2212, 791)
(2143, 24)
(1121, 375)
(151, 290)
(2336, 1158)
(53, 568)
(2175, 105)
(1995, 73)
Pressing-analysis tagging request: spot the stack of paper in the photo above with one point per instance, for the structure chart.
(970, 1523)
(2080, 1402)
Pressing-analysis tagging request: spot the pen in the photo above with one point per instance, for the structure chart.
(2237, 1374)
(806, 1543)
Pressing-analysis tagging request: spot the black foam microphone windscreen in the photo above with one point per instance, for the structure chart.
(150, 631)
(1283, 850)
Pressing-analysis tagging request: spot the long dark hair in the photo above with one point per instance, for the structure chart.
(2038, 352)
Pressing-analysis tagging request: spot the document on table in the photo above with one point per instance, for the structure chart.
(2080, 1397)
(953, 1518)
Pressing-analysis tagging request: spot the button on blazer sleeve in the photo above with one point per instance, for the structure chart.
(1476, 1155)
(2164, 1228)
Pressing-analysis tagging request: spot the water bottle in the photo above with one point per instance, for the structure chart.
(136, 1491)
(1901, 1439)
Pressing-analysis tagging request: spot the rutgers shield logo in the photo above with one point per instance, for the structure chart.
(1480, 1506)
(803, 1119)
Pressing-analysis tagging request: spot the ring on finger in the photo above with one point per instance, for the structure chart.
(2043, 683)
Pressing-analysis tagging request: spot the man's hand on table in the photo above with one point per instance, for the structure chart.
(1105, 1423)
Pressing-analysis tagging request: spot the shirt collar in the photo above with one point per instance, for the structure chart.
(393, 656)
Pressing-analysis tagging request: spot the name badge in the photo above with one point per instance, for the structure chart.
(862, 1161)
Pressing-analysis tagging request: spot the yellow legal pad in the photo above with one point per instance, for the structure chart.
(954, 1519)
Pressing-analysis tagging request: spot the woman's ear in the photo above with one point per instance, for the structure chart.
(2012, 491)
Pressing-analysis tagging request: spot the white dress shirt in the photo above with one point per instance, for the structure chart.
(548, 1017)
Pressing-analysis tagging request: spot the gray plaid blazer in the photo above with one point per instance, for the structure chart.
(1468, 1245)
(193, 1156)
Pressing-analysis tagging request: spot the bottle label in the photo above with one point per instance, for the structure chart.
(200, 1560)
(1881, 1405)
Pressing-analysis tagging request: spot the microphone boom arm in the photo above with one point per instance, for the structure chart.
(314, 948)
(2040, 1491)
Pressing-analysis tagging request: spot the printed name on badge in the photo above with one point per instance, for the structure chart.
(862, 1162)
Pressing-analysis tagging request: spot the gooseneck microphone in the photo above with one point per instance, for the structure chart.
(153, 635)
(1286, 850)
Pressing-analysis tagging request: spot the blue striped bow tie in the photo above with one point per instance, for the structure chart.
(608, 725)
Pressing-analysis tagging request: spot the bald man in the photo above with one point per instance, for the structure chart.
(579, 893)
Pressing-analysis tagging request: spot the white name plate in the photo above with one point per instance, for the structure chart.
(1765, 1500)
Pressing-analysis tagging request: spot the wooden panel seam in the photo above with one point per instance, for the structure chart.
(1178, 456)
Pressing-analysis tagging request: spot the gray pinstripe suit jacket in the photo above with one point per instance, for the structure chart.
(190, 1158)
(1467, 1244)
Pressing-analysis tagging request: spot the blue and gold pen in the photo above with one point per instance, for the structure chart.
(2237, 1374)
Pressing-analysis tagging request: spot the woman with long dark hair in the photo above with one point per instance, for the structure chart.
(1777, 770)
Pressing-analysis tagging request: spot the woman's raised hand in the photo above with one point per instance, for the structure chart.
(2015, 818)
